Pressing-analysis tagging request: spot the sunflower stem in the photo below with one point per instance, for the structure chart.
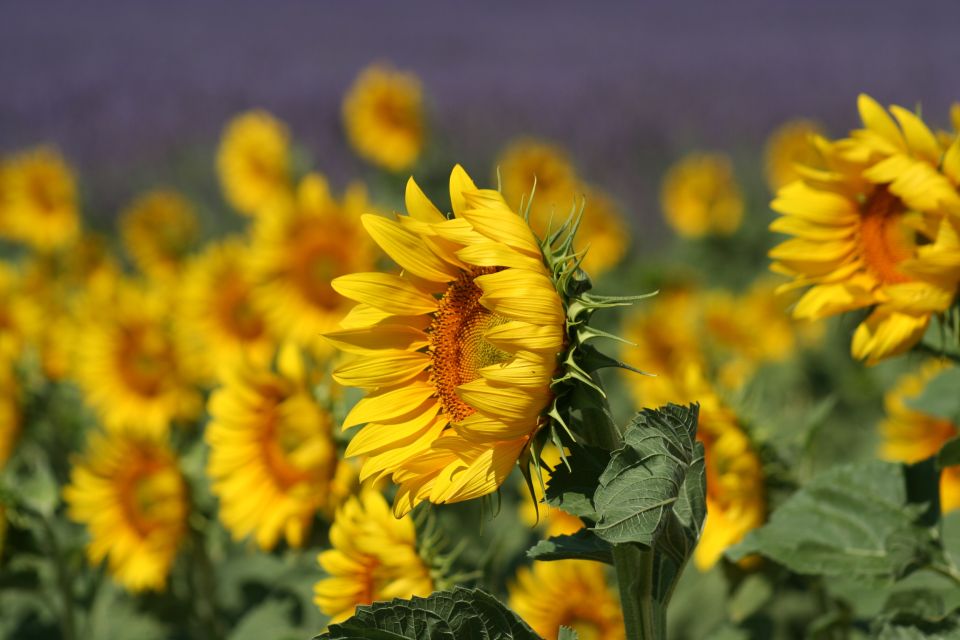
(644, 615)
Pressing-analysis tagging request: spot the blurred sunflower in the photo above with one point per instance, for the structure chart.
(700, 196)
(129, 493)
(298, 248)
(374, 557)
(130, 367)
(790, 145)
(217, 309)
(20, 316)
(909, 435)
(273, 461)
(253, 161)
(40, 199)
(871, 230)
(567, 593)
(533, 511)
(159, 229)
(747, 330)
(457, 384)
(559, 191)
(9, 411)
(527, 162)
(665, 336)
(736, 498)
(383, 117)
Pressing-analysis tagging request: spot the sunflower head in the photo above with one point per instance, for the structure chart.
(374, 556)
(298, 248)
(874, 229)
(159, 229)
(468, 353)
(789, 146)
(130, 365)
(699, 196)
(568, 593)
(383, 117)
(218, 312)
(539, 178)
(128, 491)
(735, 481)
(254, 161)
(909, 435)
(273, 459)
(39, 199)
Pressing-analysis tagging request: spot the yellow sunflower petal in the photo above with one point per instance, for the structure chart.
(385, 406)
(522, 295)
(460, 181)
(385, 336)
(919, 138)
(407, 249)
(381, 371)
(386, 292)
(419, 206)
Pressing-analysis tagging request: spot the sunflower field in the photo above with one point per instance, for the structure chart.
(449, 397)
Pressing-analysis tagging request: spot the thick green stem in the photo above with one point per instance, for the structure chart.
(644, 616)
(64, 582)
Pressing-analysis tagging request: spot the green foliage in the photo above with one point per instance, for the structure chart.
(949, 454)
(460, 614)
(851, 520)
(655, 483)
(940, 397)
(583, 544)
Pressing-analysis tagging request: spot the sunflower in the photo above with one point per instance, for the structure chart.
(873, 231)
(9, 411)
(273, 461)
(158, 230)
(567, 593)
(699, 196)
(790, 145)
(383, 117)
(21, 319)
(374, 557)
(533, 512)
(910, 435)
(298, 248)
(744, 331)
(217, 309)
(529, 163)
(130, 366)
(736, 498)
(40, 199)
(253, 161)
(458, 353)
(128, 491)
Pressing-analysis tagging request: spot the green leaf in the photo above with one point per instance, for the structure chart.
(645, 485)
(460, 614)
(949, 454)
(566, 633)
(582, 545)
(940, 397)
(270, 619)
(851, 520)
(571, 488)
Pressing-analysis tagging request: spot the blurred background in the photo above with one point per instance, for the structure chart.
(131, 88)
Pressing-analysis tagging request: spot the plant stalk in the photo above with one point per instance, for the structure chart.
(644, 616)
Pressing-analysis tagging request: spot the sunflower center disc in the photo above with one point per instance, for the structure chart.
(885, 240)
(457, 341)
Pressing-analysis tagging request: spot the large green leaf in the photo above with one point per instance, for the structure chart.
(644, 490)
(460, 614)
(582, 545)
(940, 396)
(851, 520)
(949, 454)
